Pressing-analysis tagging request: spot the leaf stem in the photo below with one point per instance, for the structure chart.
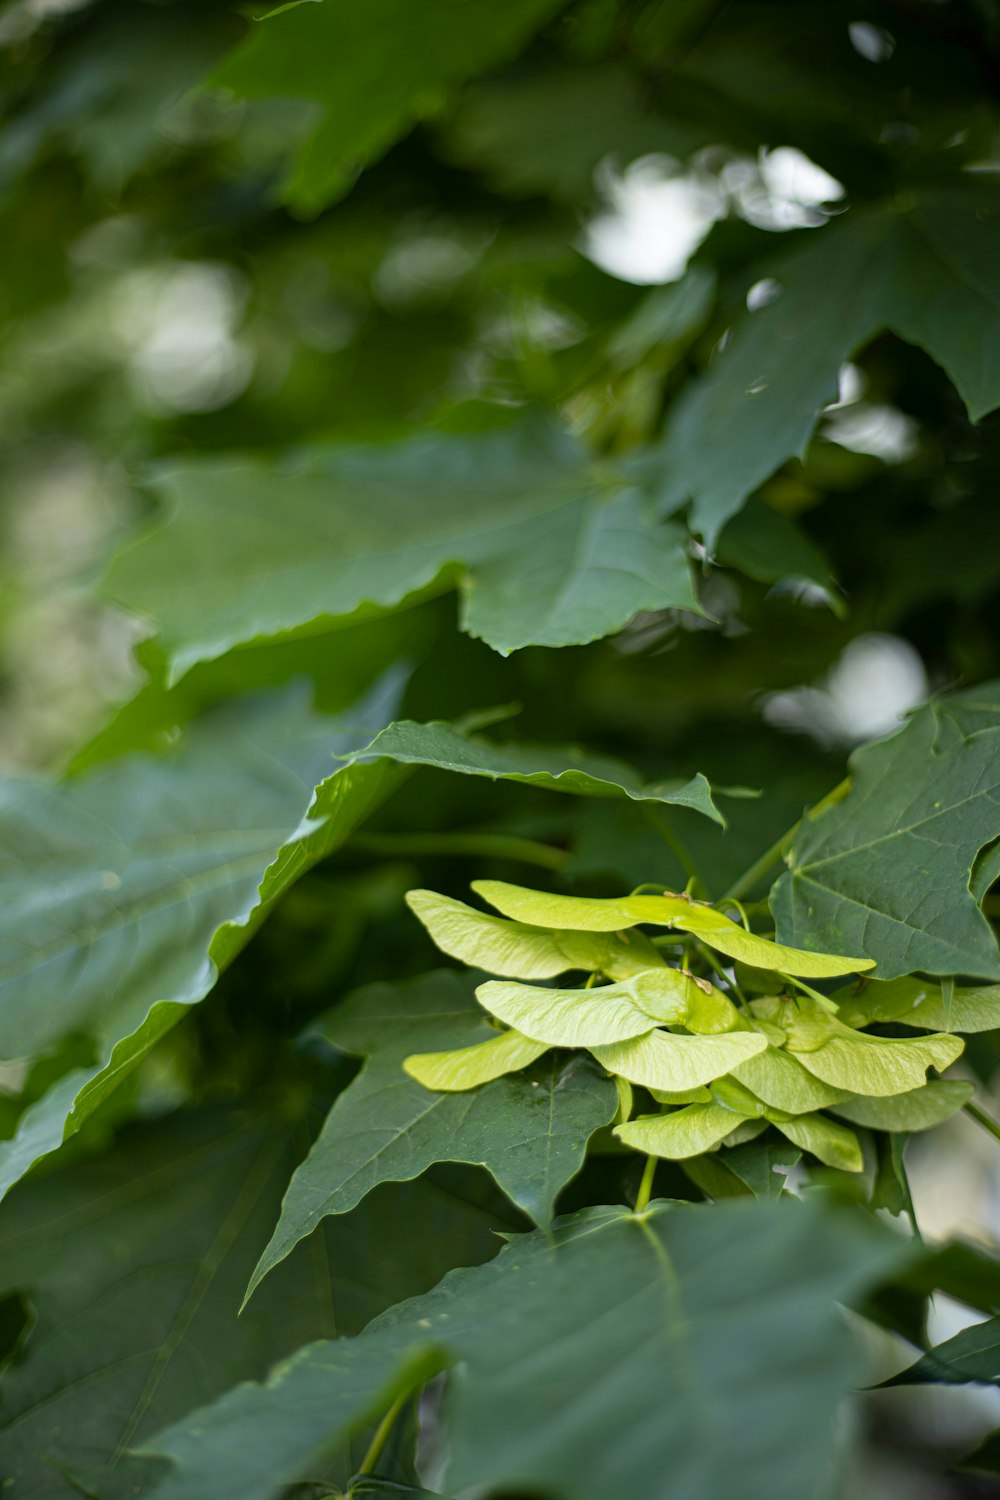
(911, 1212)
(730, 980)
(747, 882)
(983, 1119)
(646, 1185)
(382, 1432)
(807, 989)
(488, 845)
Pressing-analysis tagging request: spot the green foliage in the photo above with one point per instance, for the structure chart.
(923, 803)
(547, 547)
(924, 267)
(659, 1353)
(530, 1132)
(549, 448)
(364, 96)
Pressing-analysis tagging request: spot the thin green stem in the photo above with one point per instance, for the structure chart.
(486, 845)
(747, 882)
(734, 901)
(731, 983)
(646, 1185)
(983, 1119)
(911, 1212)
(382, 1433)
(807, 989)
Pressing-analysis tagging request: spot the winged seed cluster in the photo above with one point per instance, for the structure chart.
(719, 1066)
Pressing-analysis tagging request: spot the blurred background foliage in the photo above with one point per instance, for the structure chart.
(580, 227)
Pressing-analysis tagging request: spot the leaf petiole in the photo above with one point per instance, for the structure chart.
(982, 1118)
(382, 1433)
(646, 1185)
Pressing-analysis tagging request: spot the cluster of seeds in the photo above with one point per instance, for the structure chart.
(721, 1063)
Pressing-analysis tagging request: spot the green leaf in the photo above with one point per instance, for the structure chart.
(983, 1460)
(588, 914)
(887, 870)
(830, 1143)
(854, 1060)
(517, 951)
(972, 1357)
(370, 74)
(771, 547)
(546, 130)
(572, 1018)
(129, 888)
(684, 1132)
(923, 266)
(135, 1265)
(919, 1109)
(556, 768)
(762, 1165)
(609, 1358)
(919, 1003)
(468, 1067)
(546, 547)
(674, 1064)
(371, 1487)
(530, 1131)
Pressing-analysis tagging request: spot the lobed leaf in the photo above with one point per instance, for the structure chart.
(922, 266)
(556, 768)
(888, 868)
(613, 1356)
(547, 547)
(127, 889)
(369, 75)
(530, 1131)
(135, 1264)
